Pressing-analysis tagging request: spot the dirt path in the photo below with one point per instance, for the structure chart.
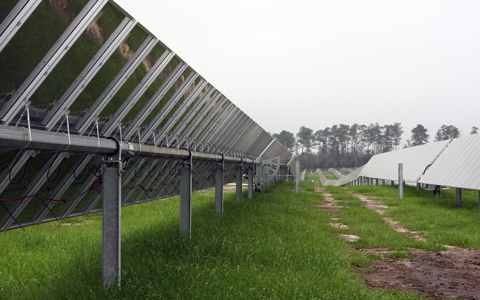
(377, 206)
(451, 274)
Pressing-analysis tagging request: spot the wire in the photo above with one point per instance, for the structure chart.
(59, 168)
(12, 216)
(24, 170)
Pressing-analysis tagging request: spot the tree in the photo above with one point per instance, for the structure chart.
(286, 138)
(419, 135)
(305, 138)
(446, 133)
(408, 143)
(474, 130)
(397, 134)
(320, 140)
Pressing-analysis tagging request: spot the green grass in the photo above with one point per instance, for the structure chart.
(274, 246)
(330, 176)
(440, 221)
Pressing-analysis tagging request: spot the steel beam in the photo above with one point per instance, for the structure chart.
(173, 120)
(153, 102)
(40, 178)
(137, 93)
(92, 113)
(15, 19)
(96, 63)
(12, 107)
(182, 90)
(208, 110)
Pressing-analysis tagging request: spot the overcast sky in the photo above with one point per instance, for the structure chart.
(317, 63)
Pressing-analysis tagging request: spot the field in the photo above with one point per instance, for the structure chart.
(278, 245)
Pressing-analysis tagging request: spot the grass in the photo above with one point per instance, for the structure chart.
(330, 176)
(371, 227)
(440, 221)
(274, 246)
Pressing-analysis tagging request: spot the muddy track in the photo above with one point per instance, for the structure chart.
(451, 274)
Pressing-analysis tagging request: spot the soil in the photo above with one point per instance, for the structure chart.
(452, 274)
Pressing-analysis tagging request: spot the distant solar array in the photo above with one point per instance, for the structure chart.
(94, 106)
(453, 163)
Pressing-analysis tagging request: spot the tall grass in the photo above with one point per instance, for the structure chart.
(274, 246)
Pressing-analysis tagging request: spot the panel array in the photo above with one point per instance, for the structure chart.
(75, 74)
(452, 163)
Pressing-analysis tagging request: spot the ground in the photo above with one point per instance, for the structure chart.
(451, 274)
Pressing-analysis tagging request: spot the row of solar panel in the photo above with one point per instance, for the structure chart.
(88, 69)
(453, 163)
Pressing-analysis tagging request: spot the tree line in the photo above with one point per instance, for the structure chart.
(351, 146)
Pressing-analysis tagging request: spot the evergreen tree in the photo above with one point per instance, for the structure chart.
(446, 133)
(305, 138)
(419, 135)
(286, 138)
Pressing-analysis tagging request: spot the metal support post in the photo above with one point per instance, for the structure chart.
(418, 186)
(459, 197)
(376, 181)
(297, 176)
(238, 177)
(111, 233)
(437, 192)
(186, 198)
(259, 186)
(250, 182)
(219, 189)
(400, 180)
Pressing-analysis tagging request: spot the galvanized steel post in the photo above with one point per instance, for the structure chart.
(400, 180)
(239, 192)
(219, 189)
(437, 192)
(186, 198)
(111, 223)
(250, 182)
(459, 197)
(297, 176)
(259, 186)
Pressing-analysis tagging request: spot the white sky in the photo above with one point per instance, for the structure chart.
(317, 63)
